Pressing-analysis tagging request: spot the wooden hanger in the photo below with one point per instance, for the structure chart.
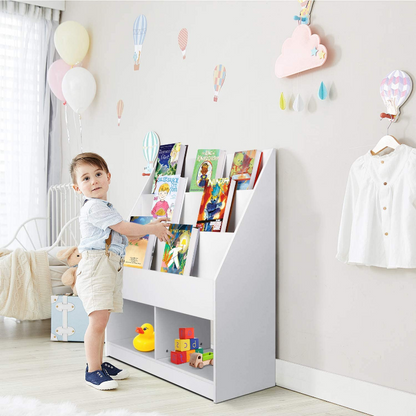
(385, 142)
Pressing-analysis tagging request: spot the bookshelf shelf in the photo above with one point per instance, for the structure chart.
(229, 300)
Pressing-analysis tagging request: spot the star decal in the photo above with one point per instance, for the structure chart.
(321, 54)
(314, 51)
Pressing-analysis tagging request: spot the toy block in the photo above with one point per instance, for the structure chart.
(207, 356)
(182, 345)
(178, 357)
(188, 355)
(200, 350)
(186, 333)
(194, 343)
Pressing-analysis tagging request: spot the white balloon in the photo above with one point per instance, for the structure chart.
(79, 88)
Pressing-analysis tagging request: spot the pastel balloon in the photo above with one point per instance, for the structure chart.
(79, 89)
(56, 74)
(72, 42)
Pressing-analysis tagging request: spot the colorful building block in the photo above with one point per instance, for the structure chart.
(200, 350)
(194, 343)
(188, 355)
(178, 357)
(186, 333)
(182, 345)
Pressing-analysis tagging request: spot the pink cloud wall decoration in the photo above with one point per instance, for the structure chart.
(300, 52)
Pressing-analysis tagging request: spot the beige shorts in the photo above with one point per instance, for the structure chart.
(100, 281)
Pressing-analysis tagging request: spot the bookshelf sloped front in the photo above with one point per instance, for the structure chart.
(185, 294)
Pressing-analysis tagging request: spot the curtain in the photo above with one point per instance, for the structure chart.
(29, 118)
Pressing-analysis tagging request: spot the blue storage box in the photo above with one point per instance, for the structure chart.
(69, 321)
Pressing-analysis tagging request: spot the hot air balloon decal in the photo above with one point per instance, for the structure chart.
(151, 145)
(120, 108)
(219, 77)
(183, 41)
(395, 89)
(139, 33)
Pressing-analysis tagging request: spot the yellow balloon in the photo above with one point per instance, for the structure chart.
(72, 42)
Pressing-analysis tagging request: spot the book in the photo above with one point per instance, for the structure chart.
(139, 253)
(209, 163)
(170, 161)
(168, 197)
(216, 204)
(179, 254)
(246, 168)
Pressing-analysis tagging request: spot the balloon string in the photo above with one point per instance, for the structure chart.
(80, 131)
(66, 121)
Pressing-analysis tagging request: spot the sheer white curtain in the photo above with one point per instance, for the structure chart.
(26, 51)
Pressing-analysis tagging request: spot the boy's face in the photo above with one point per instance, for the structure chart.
(92, 181)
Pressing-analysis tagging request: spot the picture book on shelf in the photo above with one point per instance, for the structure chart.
(246, 168)
(209, 163)
(216, 204)
(168, 197)
(179, 253)
(139, 253)
(170, 161)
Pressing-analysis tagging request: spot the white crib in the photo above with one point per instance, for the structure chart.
(58, 230)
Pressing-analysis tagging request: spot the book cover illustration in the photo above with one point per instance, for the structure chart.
(242, 168)
(213, 204)
(136, 250)
(206, 163)
(176, 252)
(165, 196)
(167, 161)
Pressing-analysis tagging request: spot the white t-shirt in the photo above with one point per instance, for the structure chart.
(378, 224)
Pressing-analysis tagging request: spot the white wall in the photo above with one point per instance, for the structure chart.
(353, 321)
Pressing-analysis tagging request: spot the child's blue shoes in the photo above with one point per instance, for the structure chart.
(100, 380)
(114, 372)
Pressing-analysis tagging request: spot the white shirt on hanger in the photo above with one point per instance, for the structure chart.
(378, 224)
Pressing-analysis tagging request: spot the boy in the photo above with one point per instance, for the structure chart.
(104, 237)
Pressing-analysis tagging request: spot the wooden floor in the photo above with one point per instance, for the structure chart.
(53, 372)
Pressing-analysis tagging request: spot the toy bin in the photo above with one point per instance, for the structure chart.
(69, 321)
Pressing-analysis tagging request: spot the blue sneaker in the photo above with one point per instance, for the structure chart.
(100, 380)
(114, 372)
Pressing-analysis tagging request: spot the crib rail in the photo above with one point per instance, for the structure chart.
(60, 227)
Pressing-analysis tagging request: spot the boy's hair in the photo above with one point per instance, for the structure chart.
(90, 158)
(164, 188)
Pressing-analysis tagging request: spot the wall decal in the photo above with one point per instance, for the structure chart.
(183, 41)
(219, 78)
(139, 33)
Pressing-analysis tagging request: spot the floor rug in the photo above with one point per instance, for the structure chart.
(25, 406)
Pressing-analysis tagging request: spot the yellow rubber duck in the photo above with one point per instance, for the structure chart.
(145, 341)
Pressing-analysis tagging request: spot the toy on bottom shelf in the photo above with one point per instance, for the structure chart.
(185, 346)
(145, 341)
(199, 360)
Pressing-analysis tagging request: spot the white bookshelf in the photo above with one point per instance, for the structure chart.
(230, 299)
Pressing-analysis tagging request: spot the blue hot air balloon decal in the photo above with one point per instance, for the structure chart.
(322, 93)
(151, 145)
(139, 33)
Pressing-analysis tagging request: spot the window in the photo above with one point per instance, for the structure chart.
(24, 115)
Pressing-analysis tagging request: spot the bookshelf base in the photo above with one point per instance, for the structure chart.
(195, 380)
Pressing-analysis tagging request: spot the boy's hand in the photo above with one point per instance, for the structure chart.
(160, 229)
